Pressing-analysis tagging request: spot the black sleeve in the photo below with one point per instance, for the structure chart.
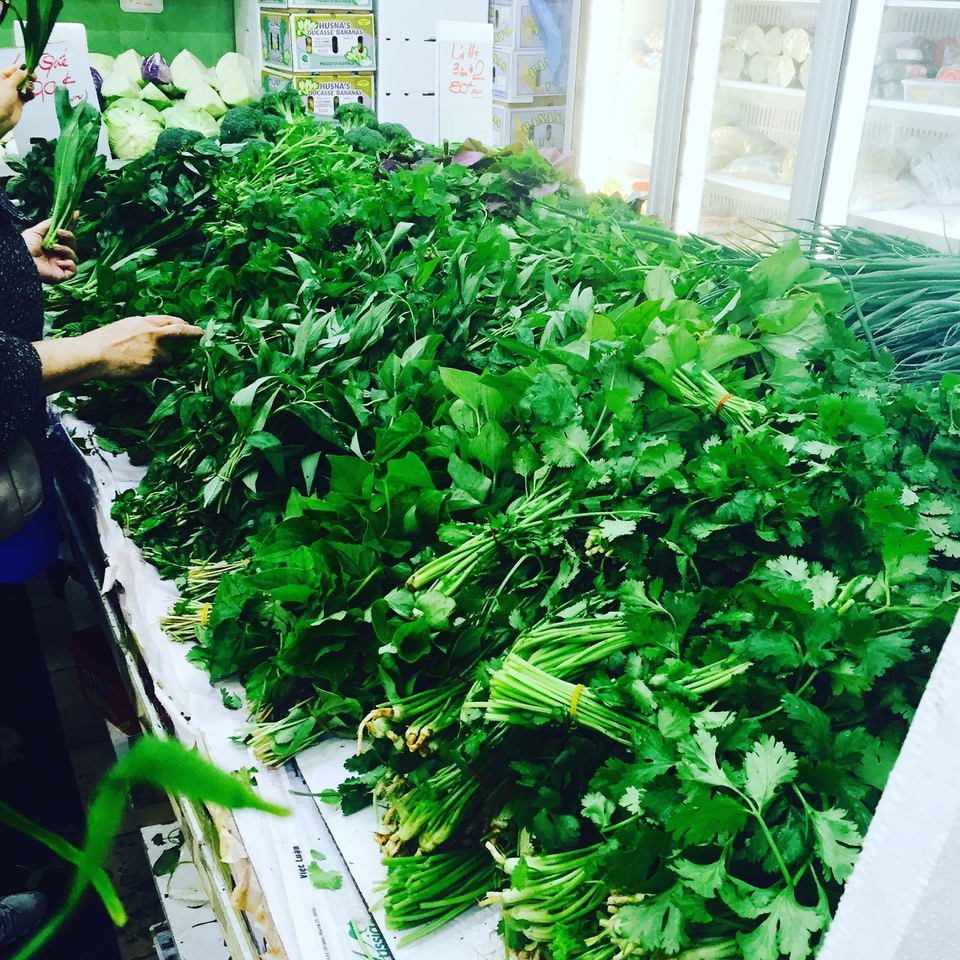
(21, 389)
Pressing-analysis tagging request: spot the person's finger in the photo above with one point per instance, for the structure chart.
(185, 330)
(8, 72)
(63, 252)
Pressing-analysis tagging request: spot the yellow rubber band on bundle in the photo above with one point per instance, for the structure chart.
(205, 614)
(575, 699)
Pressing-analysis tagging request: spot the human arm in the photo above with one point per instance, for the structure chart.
(132, 348)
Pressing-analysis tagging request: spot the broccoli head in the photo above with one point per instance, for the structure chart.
(285, 103)
(352, 116)
(399, 138)
(173, 140)
(366, 140)
(271, 124)
(239, 124)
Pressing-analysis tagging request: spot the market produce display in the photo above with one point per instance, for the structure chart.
(145, 96)
(627, 555)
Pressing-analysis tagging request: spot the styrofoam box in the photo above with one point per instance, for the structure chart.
(514, 26)
(315, 40)
(942, 93)
(524, 74)
(416, 111)
(417, 19)
(322, 93)
(541, 123)
(407, 66)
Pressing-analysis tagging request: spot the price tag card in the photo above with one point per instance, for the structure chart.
(464, 81)
(65, 62)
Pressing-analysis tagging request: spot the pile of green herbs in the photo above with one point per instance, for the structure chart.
(629, 559)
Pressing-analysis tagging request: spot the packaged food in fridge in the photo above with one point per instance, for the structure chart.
(948, 74)
(757, 67)
(741, 140)
(797, 44)
(764, 167)
(880, 192)
(945, 93)
(781, 71)
(937, 172)
(946, 52)
(789, 165)
(804, 72)
(750, 40)
(773, 42)
(732, 62)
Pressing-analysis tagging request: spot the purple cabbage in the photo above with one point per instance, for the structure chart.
(97, 84)
(156, 70)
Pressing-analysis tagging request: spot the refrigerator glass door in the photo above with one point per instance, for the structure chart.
(620, 51)
(900, 171)
(748, 133)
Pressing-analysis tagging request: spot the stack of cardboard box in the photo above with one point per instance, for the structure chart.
(327, 52)
(529, 81)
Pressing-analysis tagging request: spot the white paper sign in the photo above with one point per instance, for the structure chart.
(464, 81)
(65, 62)
(141, 6)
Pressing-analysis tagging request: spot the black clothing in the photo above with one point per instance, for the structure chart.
(22, 403)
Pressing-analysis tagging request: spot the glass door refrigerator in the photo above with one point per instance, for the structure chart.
(895, 166)
(626, 122)
(759, 107)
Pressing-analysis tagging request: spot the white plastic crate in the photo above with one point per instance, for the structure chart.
(514, 25)
(541, 124)
(519, 76)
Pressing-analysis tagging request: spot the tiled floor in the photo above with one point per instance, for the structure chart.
(66, 749)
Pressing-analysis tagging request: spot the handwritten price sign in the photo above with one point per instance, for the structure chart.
(464, 81)
(65, 62)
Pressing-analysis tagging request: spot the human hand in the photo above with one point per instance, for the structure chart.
(59, 262)
(134, 347)
(11, 99)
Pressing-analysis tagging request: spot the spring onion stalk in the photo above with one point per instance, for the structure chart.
(203, 578)
(273, 743)
(75, 159)
(521, 692)
(556, 889)
(185, 619)
(701, 389)
(37, 27)
(420, 717)
(428, 891)
(448, 574)
(429, 812)
(562, 648)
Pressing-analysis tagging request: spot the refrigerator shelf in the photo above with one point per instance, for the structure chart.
(774, 191)
(939, 227)
(938, 5)
(914, 108)
(745, 86)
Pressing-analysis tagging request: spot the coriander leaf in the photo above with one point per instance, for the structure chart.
(768, 765)
(786, 930)
(660, 922)
(838, 841)
(700, 761)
